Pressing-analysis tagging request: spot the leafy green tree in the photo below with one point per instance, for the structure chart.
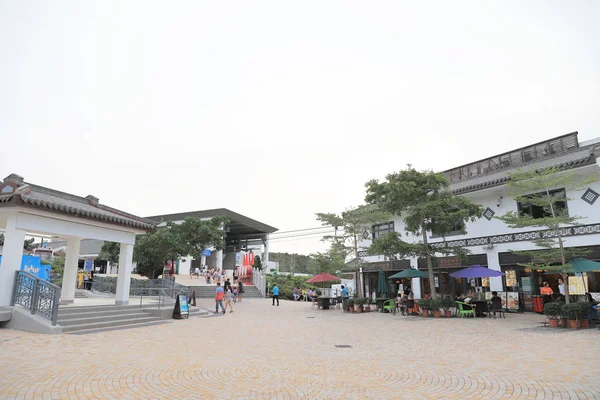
(258, 263)
(353, 224)
(425, 202)
(110, 252)
(291, 262)
(330, 261)
(537, 188)
(154, 250)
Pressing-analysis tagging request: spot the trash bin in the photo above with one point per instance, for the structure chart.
(538, 304)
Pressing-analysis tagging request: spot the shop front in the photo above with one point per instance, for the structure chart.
(371, 277)
(446, 285)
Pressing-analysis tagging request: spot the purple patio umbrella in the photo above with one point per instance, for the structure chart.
(476, 271)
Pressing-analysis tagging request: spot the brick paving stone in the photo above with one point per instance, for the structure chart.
(265, 352)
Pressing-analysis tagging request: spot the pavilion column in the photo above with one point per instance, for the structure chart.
(12, 255)
(266, 256)
(220, 259)
(67, 293)
(416, 282)
(202, 261)
(494, 263)
(124, 276)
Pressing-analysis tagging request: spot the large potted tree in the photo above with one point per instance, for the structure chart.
(574, 314)
(436, 305)
(358, 304)
(586, 308)
(553, 311)
(424, 305)
(448, 303)
(351, 305)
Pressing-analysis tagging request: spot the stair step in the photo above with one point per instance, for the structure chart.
(105, 324)
(100, 313)
(85, 319)
(77, 309)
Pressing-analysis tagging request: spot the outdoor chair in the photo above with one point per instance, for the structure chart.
(465, 309)
(497, 307)
(390, 305)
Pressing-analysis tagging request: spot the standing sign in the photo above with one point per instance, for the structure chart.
(182, 309)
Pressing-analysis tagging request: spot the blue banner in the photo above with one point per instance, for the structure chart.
(34, 266)
(206, 253)
(89, 265)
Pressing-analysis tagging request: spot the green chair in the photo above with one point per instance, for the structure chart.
(390, 305)
(465, 309)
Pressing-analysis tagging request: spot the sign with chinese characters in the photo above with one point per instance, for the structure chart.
(449, 262)
(578, 285)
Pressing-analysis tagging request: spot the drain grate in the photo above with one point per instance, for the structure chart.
(343, 346)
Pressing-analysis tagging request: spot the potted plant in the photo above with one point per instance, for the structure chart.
(585, 311)
(424, 305)
(447, 304)
(574, 314)
(351, 305)
(358, 304)
(553, 311)
(367, 306)
(435, 305)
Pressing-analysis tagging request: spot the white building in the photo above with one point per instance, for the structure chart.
(489, 239)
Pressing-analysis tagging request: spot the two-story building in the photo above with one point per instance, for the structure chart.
(489, 240)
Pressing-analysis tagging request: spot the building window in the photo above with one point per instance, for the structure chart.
(457, 229)
(538, 211)
(381, 229)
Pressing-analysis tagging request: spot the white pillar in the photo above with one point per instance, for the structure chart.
(219, 259)
(202, 261)
(124, 276)
(494, 263)
(415, 284)
(266, 256)
(67, 293)
(12, 257)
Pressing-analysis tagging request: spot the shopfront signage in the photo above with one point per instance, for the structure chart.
(449, 262)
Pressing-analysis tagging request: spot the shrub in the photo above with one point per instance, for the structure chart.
(553, 310)
(424, 304)
(350, 302)
(359, 302)
(448, 303)
(435, 304)
(573, 311)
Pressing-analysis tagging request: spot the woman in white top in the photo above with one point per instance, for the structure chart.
(228, 299)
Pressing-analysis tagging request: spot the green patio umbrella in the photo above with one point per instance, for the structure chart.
(381, 285)
(584, 265)
(409, 273)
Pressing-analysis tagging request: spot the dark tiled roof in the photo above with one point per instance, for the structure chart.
(31, 195)
(496, 180)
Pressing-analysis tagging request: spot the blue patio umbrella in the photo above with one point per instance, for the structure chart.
(476, 271)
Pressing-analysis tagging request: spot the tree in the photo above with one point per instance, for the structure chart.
(287, 261)
(27, 243)
(424, 200)
(154, 250)
(110, 252)
(536, 189)
(258, 263)
(354, 223)
(330, 261)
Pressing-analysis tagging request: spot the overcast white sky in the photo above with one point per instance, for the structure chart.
(279, 109)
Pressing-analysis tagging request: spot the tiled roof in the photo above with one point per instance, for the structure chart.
(579, 158)
(31, 195)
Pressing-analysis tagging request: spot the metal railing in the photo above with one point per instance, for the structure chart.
(37, 295)
(259, 280)
(161, 289)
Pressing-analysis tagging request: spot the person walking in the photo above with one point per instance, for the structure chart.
(276, 294)
(219, 299)
(240, 291)
(228, 300)
(197, 273)
(344, 298)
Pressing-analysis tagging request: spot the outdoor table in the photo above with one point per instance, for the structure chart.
(379, 303)
(323, 302)
(480, 307)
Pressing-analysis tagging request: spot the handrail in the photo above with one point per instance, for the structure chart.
(37, 295)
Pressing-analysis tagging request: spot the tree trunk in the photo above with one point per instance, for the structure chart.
(429, 264)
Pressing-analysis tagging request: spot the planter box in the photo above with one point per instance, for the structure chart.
(426, 313)
(437, 314)
(553, 323)
(584, 323)
(574, 323)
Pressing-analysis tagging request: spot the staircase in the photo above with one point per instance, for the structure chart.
(208, 292)
(78, 318)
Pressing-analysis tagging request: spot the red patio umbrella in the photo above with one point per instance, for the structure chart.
(323, 277)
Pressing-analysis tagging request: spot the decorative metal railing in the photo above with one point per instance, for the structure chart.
(259, 280)
(37, 295)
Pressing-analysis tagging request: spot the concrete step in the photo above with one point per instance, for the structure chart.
(63, 310)
(106, 324)
(101, 313)
(94, 318)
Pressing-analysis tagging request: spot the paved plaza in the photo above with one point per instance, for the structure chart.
(289, 352)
